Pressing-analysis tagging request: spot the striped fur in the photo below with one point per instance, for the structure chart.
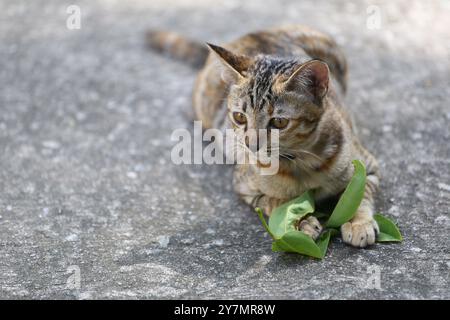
(293, 73)
(178, 47)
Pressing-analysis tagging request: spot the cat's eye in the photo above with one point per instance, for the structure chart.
(279, 123)
(239, 117)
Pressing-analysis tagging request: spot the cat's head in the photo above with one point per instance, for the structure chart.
(272, 93)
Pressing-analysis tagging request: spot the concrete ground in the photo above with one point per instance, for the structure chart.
(92, 207)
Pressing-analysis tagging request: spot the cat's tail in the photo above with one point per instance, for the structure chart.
(178, 47)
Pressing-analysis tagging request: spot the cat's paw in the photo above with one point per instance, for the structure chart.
(360, 232)
(310, 226)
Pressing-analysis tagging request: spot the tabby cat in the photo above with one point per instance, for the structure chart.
(292, 79)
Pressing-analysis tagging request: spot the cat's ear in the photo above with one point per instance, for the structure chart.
(238, 65)
(313, 77)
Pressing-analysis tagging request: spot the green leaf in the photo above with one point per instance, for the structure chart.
(323, 241)
(284, 218)
(334, 232)
(297, 241)
(264, 223)
(320, 215)
(351, 198)
(282, 228)
(384, 237)
(276, 247)
(389, 232)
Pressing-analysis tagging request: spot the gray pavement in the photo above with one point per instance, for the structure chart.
(87, 186)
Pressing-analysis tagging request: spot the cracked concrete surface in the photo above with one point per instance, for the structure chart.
(86, 178)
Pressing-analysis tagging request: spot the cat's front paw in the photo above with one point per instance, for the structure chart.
(360, 232)
(310, 226)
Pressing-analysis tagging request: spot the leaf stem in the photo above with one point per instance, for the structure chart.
(261, 217)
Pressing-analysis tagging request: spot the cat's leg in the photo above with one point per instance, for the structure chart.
(311, 226)
(246, 188)
(362, 229)
(245, 184)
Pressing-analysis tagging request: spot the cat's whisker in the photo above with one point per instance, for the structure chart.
(293, 152)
